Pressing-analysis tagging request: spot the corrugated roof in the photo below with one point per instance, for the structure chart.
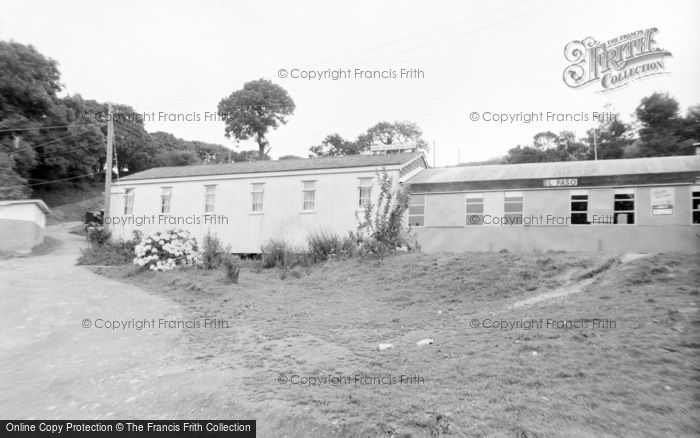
(274, 166)
(564, 169)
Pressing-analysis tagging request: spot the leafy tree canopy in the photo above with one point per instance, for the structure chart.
(254, 110)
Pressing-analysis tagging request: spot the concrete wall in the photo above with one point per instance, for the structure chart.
(21, 227)
(446, 230)
(336, 202)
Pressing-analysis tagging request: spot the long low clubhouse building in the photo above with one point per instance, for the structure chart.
(249, 203)
(629, 205)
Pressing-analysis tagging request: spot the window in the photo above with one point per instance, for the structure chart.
(416, 211)
(695, 204)
(475, 208)
(129, 201)
(624, 206)
(365, 191)
(309, 195)
(209, 198)
(513, 207)
(579, 207)
(165, 195)
(257, 197)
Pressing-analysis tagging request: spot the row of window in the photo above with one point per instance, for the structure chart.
(623, 204)
(623, 208)
(256, 197)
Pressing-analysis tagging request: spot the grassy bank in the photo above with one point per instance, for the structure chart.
(634, 372)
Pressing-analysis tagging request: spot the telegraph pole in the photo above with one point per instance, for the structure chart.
(595, 144)
(108, 166)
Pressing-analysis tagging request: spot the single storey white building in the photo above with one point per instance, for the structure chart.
(22, 225)
(249, 203)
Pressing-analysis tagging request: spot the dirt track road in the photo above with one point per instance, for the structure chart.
(51, 367)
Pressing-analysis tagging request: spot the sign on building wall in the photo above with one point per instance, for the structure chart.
(392, 147)
(662, 201)
(560, 182)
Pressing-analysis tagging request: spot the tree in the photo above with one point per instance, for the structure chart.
(75, 149)
(252, 111)
(175, 158)
(612, 137)
(334, 145)
(28, 87)
(28, 84)
(12, 186)
(547, 147)
(203, 153)
(381, 227)
(385, 133)
(664, 132)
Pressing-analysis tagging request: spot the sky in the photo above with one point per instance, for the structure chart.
(180, 58)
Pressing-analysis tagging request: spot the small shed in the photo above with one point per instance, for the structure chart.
(22, 225)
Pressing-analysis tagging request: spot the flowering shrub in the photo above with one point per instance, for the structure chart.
(164, 250)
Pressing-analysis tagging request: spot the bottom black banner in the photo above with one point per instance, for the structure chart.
(128, 428)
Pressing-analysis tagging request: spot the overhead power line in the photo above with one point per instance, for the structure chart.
(38, 128)
(53, 181)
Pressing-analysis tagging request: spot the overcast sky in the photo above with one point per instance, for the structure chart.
(498, 56)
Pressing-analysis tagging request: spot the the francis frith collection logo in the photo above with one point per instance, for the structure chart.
(614, 63)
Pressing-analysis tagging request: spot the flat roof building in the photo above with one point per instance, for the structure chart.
(637, 205)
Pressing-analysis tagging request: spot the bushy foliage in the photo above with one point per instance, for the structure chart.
(105, 252)
(164, 250)
(381, 227)
(273, 253)
(280, 254)
(98, 236)
(325, 246)
(231, 268)
(213, 252)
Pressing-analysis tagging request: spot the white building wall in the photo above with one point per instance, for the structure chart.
(336, 202)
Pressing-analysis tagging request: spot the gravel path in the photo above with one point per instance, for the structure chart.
(51, 367)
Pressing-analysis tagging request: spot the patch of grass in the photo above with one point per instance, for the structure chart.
(109, 254)
(49, 245)
(636, 378)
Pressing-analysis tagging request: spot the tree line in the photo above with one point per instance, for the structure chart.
(658, 129)
(47, 140)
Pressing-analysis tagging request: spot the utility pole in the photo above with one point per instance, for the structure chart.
(15, 141)
(595, 144)
(108, 166)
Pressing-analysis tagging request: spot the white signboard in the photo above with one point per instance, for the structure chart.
(392, 147)
(662, 201)
(560, 182)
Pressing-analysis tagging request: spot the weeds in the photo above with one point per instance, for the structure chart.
(231, 268)
(103, 251)
(214, 252)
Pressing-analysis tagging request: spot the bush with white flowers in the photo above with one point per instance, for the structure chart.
(164, 250)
